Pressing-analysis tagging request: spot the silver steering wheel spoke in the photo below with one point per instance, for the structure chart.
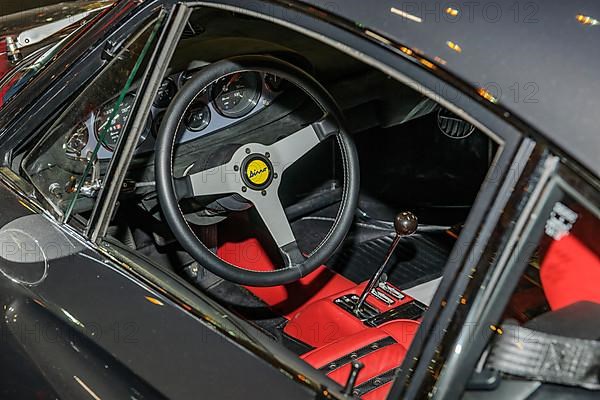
(223, 179)
(271, 211)
(290, 149)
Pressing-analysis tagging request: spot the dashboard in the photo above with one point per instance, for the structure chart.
(227, 101)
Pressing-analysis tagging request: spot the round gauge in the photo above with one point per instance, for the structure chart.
(198, 118)
(165, 94)
(273, 82)
(237, 94)
(111, 128)
(77, 141)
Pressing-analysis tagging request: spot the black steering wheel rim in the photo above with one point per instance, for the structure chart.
(166, 185)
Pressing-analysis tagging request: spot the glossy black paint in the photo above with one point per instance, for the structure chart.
(90, 327)
(534, 57)
(119, 335)
(169, 335)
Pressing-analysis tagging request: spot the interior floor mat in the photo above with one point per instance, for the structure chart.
(418, 258)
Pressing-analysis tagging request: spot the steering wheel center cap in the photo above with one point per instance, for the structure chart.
(257, 171)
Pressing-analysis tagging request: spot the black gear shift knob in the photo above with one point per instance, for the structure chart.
(405, 223)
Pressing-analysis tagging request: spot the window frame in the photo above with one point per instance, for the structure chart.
(150, 81)
(494, 194)
(22, 120)
(555, 179)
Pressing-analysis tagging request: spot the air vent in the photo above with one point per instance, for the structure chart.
(453, 126)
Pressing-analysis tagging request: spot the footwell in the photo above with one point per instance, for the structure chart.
(418, 258)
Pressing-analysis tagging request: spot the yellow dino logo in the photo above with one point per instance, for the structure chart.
(258, 172)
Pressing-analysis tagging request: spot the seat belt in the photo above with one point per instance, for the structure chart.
(545, 357)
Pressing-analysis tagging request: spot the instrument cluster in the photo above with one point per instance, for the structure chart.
(226, 101)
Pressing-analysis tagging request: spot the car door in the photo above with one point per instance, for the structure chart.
(78, 323)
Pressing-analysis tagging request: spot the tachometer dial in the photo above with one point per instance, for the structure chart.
(198, 118)
(165, 94)
(237, 94)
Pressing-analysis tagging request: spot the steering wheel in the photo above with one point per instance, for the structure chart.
(255, 172)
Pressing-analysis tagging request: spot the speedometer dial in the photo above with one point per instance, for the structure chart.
(237, 94)
(109, 127)
(112, 128)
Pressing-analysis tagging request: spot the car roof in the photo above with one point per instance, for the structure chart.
(541, 60)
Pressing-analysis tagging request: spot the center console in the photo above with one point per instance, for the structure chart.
(367, 305)
(332, 318)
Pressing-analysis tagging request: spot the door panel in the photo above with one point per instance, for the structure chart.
(76, 325)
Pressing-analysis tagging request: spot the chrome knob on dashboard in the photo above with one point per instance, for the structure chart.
(405, 223)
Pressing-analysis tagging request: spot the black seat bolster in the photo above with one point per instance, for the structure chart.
(580, 320)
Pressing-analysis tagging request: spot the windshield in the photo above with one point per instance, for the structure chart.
(105, 129)
(28, 50)
(64, 166)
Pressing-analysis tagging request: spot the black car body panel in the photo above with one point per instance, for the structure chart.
(74, 322)
(522, 79)
(76, 309)
(536, 58)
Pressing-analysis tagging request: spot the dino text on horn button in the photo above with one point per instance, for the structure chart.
(257, 171)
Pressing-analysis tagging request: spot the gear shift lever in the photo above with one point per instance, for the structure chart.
(405, 224)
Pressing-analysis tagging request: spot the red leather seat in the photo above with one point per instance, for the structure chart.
(570, 273)
(380, 349)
